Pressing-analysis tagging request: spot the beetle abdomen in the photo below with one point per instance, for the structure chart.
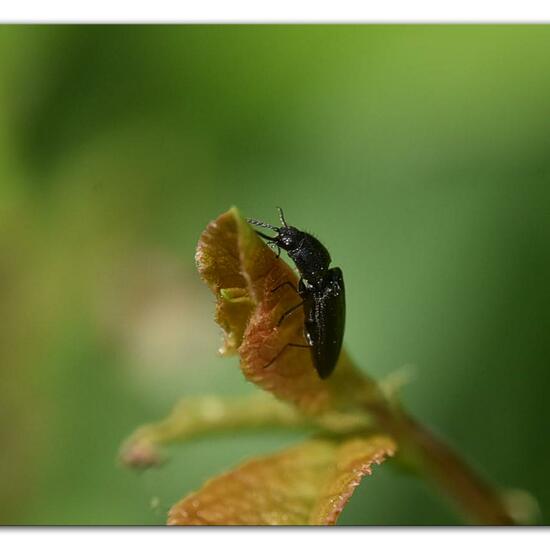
(325, 314)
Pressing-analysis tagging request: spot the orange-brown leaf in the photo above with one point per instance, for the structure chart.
(308, 484)
(242, 272)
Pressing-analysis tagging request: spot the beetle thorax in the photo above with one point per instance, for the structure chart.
(310, 256)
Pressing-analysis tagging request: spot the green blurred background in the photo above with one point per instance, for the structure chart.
(418, 154)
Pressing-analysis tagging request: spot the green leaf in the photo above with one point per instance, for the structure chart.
(208, 415)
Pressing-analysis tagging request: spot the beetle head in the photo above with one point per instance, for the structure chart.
(311, 258)
(288, 238)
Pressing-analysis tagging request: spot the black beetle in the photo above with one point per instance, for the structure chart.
(321, 289)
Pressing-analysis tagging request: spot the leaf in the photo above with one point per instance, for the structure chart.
(308, 484)
(199, 416)
(208, 415)
(242, 272)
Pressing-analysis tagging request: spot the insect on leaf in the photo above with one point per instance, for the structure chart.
(242, 272)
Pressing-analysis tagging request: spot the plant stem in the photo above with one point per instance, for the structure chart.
(437, 462)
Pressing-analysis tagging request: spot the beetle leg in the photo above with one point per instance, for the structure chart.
(284, 284)
(273, 244)
(289, 345)
(287, 313)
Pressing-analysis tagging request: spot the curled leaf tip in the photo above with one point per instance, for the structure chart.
(140, 455)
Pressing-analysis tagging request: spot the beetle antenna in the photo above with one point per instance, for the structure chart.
(282, 216)
(262, 224)
(270, 239)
